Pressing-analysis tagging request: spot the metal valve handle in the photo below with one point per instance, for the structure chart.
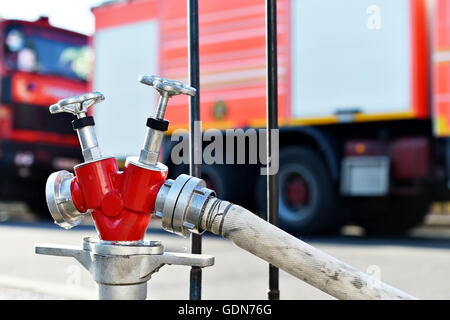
(167, 89)
(83, 125)
(77, 105)
(157, 125)
(162, 85)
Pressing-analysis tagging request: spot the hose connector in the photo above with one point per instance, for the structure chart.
(59, 200)
(181, 203)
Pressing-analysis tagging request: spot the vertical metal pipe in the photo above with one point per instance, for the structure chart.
(272, 123)
(195, 288)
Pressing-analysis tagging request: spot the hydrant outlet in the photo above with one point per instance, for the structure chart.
(59, 200)
(180, 204)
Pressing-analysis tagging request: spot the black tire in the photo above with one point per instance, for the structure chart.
(320, 214)
(40, 209)
(37, 203)
(390, 216)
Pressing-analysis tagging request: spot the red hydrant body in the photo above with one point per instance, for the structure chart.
(121, 203)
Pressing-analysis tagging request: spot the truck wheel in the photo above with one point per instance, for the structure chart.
(40, 209)
(307, 196)
(390, 216)
(36, 200)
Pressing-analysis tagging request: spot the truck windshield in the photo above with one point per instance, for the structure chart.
(46, 51)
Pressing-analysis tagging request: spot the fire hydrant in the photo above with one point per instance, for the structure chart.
(121, 203)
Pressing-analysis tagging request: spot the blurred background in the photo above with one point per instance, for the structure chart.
(364, 110)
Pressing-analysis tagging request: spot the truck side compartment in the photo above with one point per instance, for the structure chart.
(362, 127)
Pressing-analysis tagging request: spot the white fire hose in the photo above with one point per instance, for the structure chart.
(186, 205)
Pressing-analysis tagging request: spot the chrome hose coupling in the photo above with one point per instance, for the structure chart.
(59, 200)
(181, 203)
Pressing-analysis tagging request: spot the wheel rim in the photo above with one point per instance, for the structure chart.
(298, 194)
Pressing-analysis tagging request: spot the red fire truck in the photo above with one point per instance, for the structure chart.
(39, 64)
(364, 97)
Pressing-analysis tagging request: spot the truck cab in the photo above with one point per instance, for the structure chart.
(39, 65)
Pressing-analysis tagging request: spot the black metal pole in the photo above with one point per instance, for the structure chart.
(272, 123)
(195, 288)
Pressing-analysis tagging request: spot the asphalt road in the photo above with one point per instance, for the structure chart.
(416, 265)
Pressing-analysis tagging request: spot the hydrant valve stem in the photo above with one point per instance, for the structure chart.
(157, 125)
(83, 125)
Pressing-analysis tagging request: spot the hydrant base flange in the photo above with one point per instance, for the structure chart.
(122, 269)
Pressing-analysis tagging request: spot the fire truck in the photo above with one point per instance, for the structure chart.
(39, 65)
(364, 97)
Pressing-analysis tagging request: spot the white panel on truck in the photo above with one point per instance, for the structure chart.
(351, 55)
(122, 54)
